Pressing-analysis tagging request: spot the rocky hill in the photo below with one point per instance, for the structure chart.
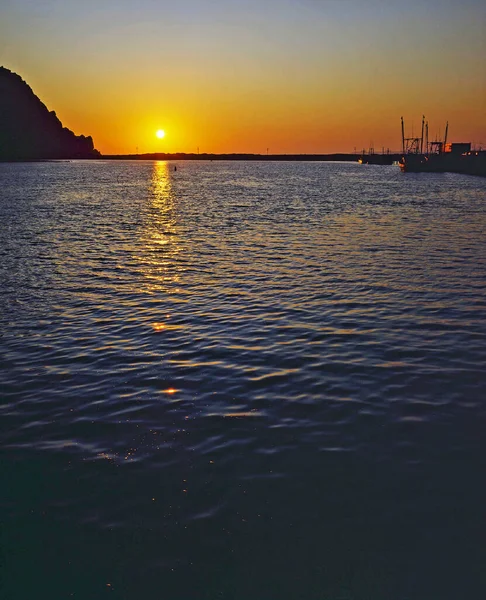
(29, 131)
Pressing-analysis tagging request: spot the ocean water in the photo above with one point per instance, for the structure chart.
(242, 381)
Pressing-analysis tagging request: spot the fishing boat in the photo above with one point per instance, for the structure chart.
(440, 156)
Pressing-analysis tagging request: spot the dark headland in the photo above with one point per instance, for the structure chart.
(29, 131)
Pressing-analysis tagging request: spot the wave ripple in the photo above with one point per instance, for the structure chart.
(237, 350)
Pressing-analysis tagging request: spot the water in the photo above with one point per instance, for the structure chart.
(242, 381)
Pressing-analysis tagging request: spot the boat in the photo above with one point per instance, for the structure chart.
(377, 159)
(440, 156)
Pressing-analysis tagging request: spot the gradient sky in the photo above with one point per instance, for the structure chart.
(305, 76)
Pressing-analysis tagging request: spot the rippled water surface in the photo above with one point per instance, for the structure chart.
(242, 381)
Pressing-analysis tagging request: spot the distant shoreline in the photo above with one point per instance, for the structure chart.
(181, 156)
(233, 156)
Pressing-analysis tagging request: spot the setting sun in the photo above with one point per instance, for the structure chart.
(160, 133)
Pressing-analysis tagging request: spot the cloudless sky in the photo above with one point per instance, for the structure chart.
(304, 76)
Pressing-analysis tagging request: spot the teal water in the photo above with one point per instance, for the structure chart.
(242, 380)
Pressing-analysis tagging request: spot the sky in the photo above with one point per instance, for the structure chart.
(290, 76)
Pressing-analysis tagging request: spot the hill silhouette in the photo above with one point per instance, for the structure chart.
(29, 131)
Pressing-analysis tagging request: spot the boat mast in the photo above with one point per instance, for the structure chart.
(403, 137)
(445, 135)
(422, 136)
(427, 137)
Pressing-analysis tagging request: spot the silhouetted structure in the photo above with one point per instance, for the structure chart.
(28, 131)
(371, 158)
(440, 156)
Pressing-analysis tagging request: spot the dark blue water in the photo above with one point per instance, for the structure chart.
(242, 381)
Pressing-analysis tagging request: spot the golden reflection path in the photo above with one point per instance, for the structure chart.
(161, 245)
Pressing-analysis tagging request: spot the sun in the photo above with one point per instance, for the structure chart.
(160, 133)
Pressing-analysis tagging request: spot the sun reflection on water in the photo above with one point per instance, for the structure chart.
(162, 244)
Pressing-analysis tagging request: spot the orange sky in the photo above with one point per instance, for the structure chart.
(225, 76)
